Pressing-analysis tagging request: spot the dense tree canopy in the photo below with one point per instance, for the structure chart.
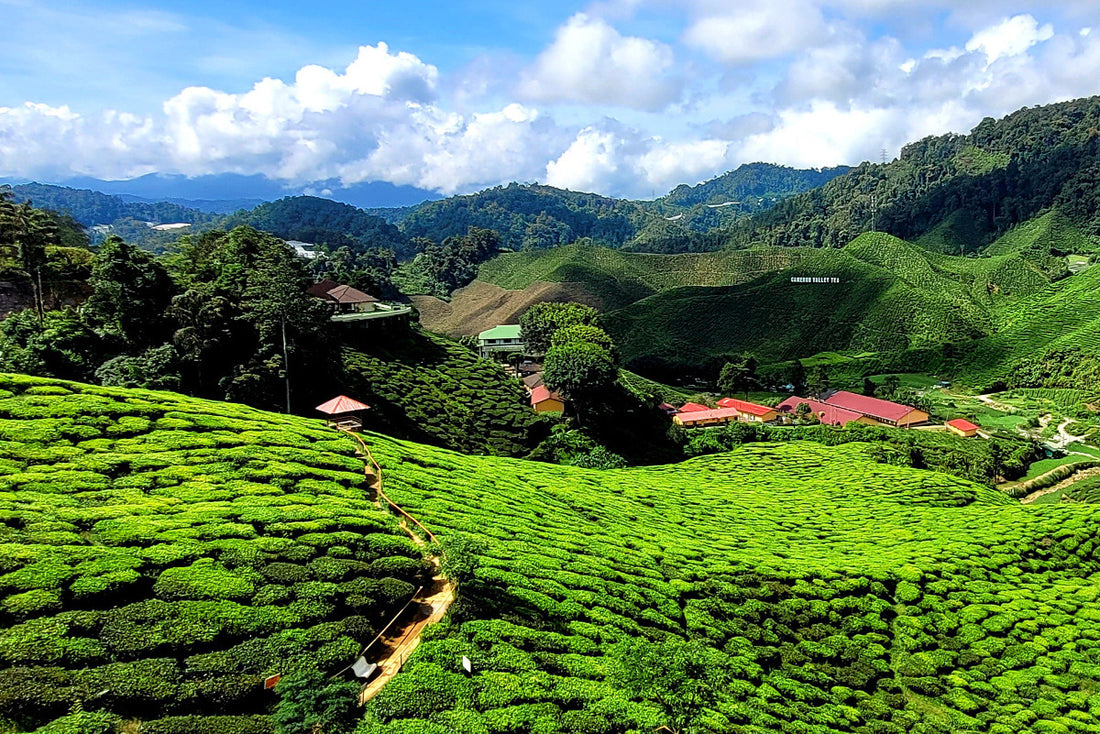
(539, 322)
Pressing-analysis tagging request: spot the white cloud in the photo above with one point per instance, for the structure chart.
(823, 135)
(1011, 37)
(591, 62)
(740, 33)
(378, 120)
(615, 158)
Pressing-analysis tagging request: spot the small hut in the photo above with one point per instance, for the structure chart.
(344, 412)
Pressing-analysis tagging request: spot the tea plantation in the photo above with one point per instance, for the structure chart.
(822, 591)
(427, 388)
(160, 555)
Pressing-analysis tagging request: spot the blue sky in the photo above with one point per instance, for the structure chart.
(622, 97)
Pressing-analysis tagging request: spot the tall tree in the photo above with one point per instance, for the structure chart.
(539, 322)
(131, 292)
(738, 375)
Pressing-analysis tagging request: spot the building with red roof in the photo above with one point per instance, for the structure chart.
(882, 411)
(963, 427)
(693, 408)
(829, 415)
(750, 412)
(706, 418)
(840, 408)
(544, 401)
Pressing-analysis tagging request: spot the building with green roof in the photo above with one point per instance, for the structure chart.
(503, 338)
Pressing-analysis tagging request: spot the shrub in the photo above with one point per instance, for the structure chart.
(203, 579)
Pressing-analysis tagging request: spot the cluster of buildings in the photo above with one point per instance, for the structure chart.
(508, 339)
(834, 408)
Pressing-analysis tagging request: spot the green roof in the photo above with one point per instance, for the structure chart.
(504, 331)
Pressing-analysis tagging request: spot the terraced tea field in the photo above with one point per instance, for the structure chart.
(159, 556)
(840, 595)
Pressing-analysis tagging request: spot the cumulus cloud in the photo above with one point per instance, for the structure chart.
(591, 62)
(377, 120)
(740, 33)
(800, 82)
(612, 157)
(1011, 37)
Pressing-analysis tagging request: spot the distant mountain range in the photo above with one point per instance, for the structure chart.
(526, 216)
(229, 192)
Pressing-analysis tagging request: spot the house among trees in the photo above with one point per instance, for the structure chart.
(346, 298)
(505, 338)
(839, 408)
(693, 408)
(962, 427)
(730, 411)
(352, 304)
(544, 401)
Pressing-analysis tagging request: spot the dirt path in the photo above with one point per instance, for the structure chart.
(1067, 482)
(395, 649)
(1003, 407)
(390, 650)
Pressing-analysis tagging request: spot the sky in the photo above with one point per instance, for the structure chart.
(625, 98)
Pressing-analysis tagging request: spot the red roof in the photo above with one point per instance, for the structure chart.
(708, 414)
(320, 290)
(745, 407)
(692, 407)
(830, 415)
(347, 294)
(963, 424)
(542, 393)
(882, 409)
(342, 404)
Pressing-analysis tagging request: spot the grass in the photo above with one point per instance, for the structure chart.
(160, 555)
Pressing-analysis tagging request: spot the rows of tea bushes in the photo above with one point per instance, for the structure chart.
(427, 388)
(159, 556)
(988, 461)
(830, 593)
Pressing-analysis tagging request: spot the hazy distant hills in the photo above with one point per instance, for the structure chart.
(228, 192)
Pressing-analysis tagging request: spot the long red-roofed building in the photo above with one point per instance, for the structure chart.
(706, 418)
(883, 411)
(841, 408)
(829, 415)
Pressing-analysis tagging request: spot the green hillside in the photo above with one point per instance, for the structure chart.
(160, 555)
(620, 278)
(890, 297)
(427, 388)
(825, 593)
(955, 193)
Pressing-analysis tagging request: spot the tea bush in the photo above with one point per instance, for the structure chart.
(159, 556)
(844, 595)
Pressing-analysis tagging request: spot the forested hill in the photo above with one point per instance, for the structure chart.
(323, 221)
(93, 207)
(536, 216)
(733, 196)
(955, 193)
(529, 216)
